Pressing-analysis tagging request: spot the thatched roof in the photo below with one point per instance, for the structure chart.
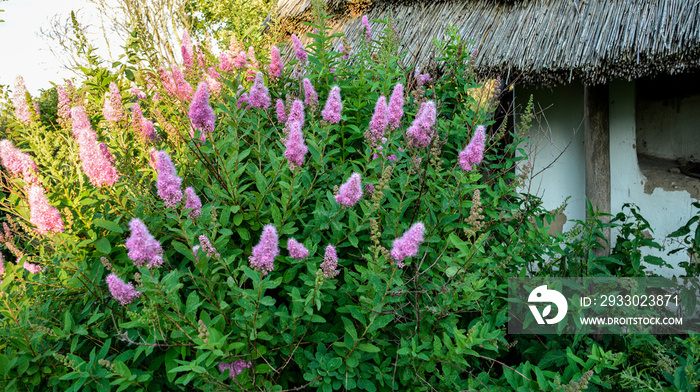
(541, 41)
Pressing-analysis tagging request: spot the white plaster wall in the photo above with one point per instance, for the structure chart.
(556, 148)
(557, 153)
(665, 211)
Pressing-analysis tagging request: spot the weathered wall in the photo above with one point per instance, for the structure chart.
(665, 210)
(668, 119)
(556, 148)
(561, 124)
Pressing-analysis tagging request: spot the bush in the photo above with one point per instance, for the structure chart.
(163, 270)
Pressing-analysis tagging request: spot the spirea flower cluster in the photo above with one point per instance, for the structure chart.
(310, 96)
(19, 100)
(296, 148)
(407, 245)
(193, 203)
(396, 107)
(123, 292)
(44, 216)
(299, 49)
(207, 247)
(264, 253)
(420, 133)
(18, 163)
(186, 50)
(113, 110)
(331, 112)
(143, 248)
(473, 154)
(259, 95)
(97, 165)
(296, 249)
(142, 126)
(63, 105)
(350, 192)
(234, 368)
(280, 111)
(201, 114)
(378, 124)
(275, 66)
(169, 183)
(329, 266)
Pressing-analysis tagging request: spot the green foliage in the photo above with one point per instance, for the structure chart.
(437, 323)
(221, 19)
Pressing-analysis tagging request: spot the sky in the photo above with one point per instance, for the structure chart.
(26, 53)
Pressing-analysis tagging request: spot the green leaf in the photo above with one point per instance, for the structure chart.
(380, 322)
(106, 224)
(103, 245)
(368, 347)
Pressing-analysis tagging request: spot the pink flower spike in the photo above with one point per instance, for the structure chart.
(226, 61)
(473, 154)
(331, 112)
(166, 78)
(281, 112)
(32, 268)
(379, 122)
(296, 249)
(296, 148)
(143, 248)
(420, 133)
(19, 100)
(367, 29)
(18, 163)
(113, 110)
(142, 126)
(123, 292)
(240, 61)
(407, 245)
(193, 203)
(137, 93)
(212, 80)
(183, 88)
(63, 103)
(2, 265)
(259, 96)
(234, 368)
(299, 49)
(186, 49)
(311, 98)
(44, 216)
(396, 106)
(275, 62)
(329, 266)
(264, 253)
(296, 114)
(207, 246)
(201, 114)
(96, 165)
(350, 192)
(168, 181)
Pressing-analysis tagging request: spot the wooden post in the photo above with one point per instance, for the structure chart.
(597, 148)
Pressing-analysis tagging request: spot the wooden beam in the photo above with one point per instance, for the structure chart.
(597, 150)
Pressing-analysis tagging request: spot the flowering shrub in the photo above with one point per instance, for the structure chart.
(361, 245)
